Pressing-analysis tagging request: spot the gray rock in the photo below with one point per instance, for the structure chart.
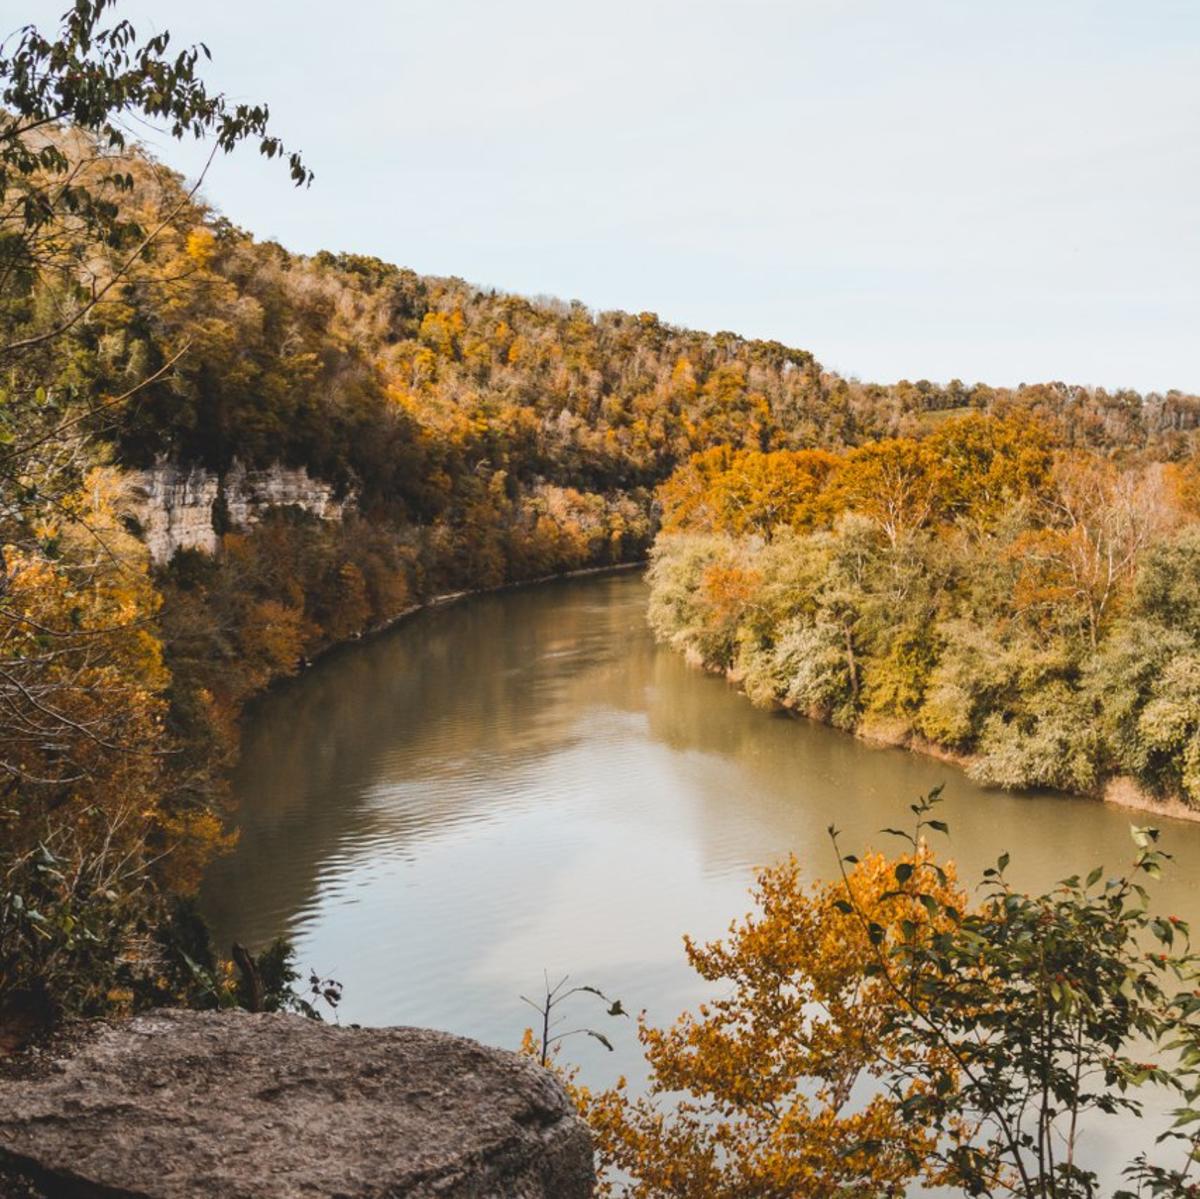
(229, 1105)
(175, 505)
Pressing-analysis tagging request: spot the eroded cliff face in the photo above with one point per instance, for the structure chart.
(180, 507)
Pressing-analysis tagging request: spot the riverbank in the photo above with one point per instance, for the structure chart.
(1117, 790)
(454, 597)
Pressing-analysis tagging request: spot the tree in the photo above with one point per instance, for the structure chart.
(749, 492)
(63, 169)
(1099, 521)
(770, 1073)
(985, 464)
(1029, 1012)
(977, 1040)
(92, 832)
(71, 229)
(891, 483)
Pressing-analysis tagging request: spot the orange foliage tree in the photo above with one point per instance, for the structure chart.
(892, 484)
(982, 465)
(748, 491)
(772, 1088)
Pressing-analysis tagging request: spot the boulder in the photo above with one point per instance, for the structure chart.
(230, 1105)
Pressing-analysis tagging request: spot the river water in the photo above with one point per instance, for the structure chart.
(523, 782)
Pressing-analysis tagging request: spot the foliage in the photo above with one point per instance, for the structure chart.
(189, 971)
(57, 197)
(878, 1030)
(93, 831)
(744, 491)
(768, 1089)
(480, 438)
(1032, 608)
(1024, 1015)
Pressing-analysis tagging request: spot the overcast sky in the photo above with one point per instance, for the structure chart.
(1005, 191)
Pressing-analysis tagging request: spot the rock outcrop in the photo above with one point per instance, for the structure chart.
(229, 1105)
(176, 507)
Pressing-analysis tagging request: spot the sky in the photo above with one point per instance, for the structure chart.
(1006, 192)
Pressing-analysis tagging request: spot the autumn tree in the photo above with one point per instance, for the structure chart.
(982, 465)
(92, 833)
(1032, 1013)
(892, 484)
(63, 171)
(766, 1080)
(749, 491)
(878, 1030)
(1099, 521)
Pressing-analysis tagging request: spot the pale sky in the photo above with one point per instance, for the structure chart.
(1004, 191)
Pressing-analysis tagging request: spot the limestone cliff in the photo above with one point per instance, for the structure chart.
(179, 507)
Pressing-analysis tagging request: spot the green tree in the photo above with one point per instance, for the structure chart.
(1030, 1012)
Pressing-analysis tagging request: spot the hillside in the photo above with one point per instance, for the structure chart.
(470, 437)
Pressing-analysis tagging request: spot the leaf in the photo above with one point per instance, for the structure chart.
(591, 1032)
(903, 872)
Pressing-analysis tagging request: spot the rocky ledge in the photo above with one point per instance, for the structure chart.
(184, 1105)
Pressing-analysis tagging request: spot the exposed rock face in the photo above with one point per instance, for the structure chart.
(250, 493)
(191, 1105)
(175, 506)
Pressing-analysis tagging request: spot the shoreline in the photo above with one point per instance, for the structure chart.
(1117, 790)
(444, 600)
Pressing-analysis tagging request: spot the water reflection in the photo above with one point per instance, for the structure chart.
(524, 781)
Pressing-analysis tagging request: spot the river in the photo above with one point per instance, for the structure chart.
(524, 782)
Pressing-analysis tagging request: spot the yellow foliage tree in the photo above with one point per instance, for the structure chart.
(982, 465)
(770, 1083)
(892, 484)
(748, 491)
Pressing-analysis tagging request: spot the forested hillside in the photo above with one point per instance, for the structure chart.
(480, 438)
(484, 437)
(988, 589)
